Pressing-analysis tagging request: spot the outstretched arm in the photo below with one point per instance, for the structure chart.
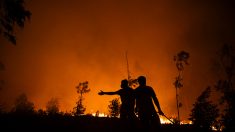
(158, 105)
(107, 93)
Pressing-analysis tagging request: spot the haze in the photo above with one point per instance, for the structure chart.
(71, 41)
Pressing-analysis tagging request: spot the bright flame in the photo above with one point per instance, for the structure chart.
(99, 114)
(169, 121)
(165, 121)
(162, 119)
(186, 122)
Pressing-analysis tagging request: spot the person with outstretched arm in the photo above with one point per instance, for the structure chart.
(126, 94)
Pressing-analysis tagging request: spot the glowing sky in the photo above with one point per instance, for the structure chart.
(71, 41)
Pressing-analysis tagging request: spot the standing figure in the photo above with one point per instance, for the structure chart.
(145, 107)
(127, 100)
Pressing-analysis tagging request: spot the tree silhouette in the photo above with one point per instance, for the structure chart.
(12, 14)
(225, 85)
(52, 107)
(114, 107)
(82, 88)
(181, 59)
(79, 109)
(41, 112)
(204, 113)
(22, 105)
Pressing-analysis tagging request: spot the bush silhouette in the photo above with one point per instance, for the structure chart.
(114, 107)
(204, 112)
(23, 106)
(52, 107)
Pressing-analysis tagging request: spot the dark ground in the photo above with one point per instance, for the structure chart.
(76, 124)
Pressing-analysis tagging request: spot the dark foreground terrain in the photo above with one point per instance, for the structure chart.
(76, 124)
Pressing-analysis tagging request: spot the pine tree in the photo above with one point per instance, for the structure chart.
(204, 112)
(12, 14)
(225, 85)
(82, 88)
(181, 59)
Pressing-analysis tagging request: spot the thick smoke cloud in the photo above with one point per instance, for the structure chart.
(67, 42)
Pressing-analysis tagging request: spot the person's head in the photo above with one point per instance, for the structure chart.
(124, 83)
(142, 80)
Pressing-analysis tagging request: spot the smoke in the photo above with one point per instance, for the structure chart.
(67, 42)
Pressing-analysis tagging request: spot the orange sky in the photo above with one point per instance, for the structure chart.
(71, 41)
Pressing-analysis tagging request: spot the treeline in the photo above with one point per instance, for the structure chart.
(23, 106)
(24, 117)
(219, 114)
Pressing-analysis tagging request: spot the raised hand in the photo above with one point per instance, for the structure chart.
(101, 92)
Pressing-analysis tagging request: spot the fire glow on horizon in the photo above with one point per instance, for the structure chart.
(69, 42)
(162, 119)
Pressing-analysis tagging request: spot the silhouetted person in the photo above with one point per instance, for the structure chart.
(145, 107)
(127, 100)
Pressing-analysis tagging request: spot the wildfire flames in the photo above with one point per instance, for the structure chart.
(162, 119)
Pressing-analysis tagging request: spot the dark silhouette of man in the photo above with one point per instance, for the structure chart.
(144, 106)
(127, 100)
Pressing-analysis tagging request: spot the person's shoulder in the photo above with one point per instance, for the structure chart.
(127, 89)
(150, 90)
(148, 87)
(119, 91)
